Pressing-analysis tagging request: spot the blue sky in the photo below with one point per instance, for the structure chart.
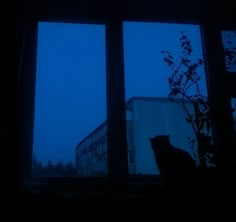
(70, 98)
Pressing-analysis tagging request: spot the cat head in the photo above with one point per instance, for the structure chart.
(160, 140)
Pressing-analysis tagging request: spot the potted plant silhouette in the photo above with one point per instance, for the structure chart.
(184, 85)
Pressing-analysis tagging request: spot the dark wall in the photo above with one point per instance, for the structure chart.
(169, 9)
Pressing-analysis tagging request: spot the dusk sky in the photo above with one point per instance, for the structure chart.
(71, 78)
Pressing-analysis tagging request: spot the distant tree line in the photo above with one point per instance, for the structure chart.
(51, 170)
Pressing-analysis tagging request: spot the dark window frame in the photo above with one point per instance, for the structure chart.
(116, 122)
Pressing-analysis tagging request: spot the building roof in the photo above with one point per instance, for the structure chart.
(90, 134)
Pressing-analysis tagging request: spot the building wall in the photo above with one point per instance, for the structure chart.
(91, 154)
(152, 118)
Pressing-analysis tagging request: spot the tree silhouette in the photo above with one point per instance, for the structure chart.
(59, 168)
(48, 170)
(184, 85)
(36, 167)
(50, 166)
(70, 169)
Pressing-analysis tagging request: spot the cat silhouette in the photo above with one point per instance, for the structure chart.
(176, 165)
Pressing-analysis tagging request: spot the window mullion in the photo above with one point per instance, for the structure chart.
(26, 92)
(218, 93)
(117, 147)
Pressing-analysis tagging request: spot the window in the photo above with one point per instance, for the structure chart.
(70, 101)
(152, 53)
(229, 44)
(114, 85)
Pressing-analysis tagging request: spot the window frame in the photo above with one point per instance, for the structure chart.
(220, 100)
(116, 117)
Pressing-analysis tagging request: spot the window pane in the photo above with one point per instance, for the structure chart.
(70, 101)
(164, 78)
(229, 44)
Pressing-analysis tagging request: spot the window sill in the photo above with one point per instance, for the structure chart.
(138, 187)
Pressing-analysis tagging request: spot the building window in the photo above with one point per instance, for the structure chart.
(70, 101)
(153, 52)
(130, 136)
